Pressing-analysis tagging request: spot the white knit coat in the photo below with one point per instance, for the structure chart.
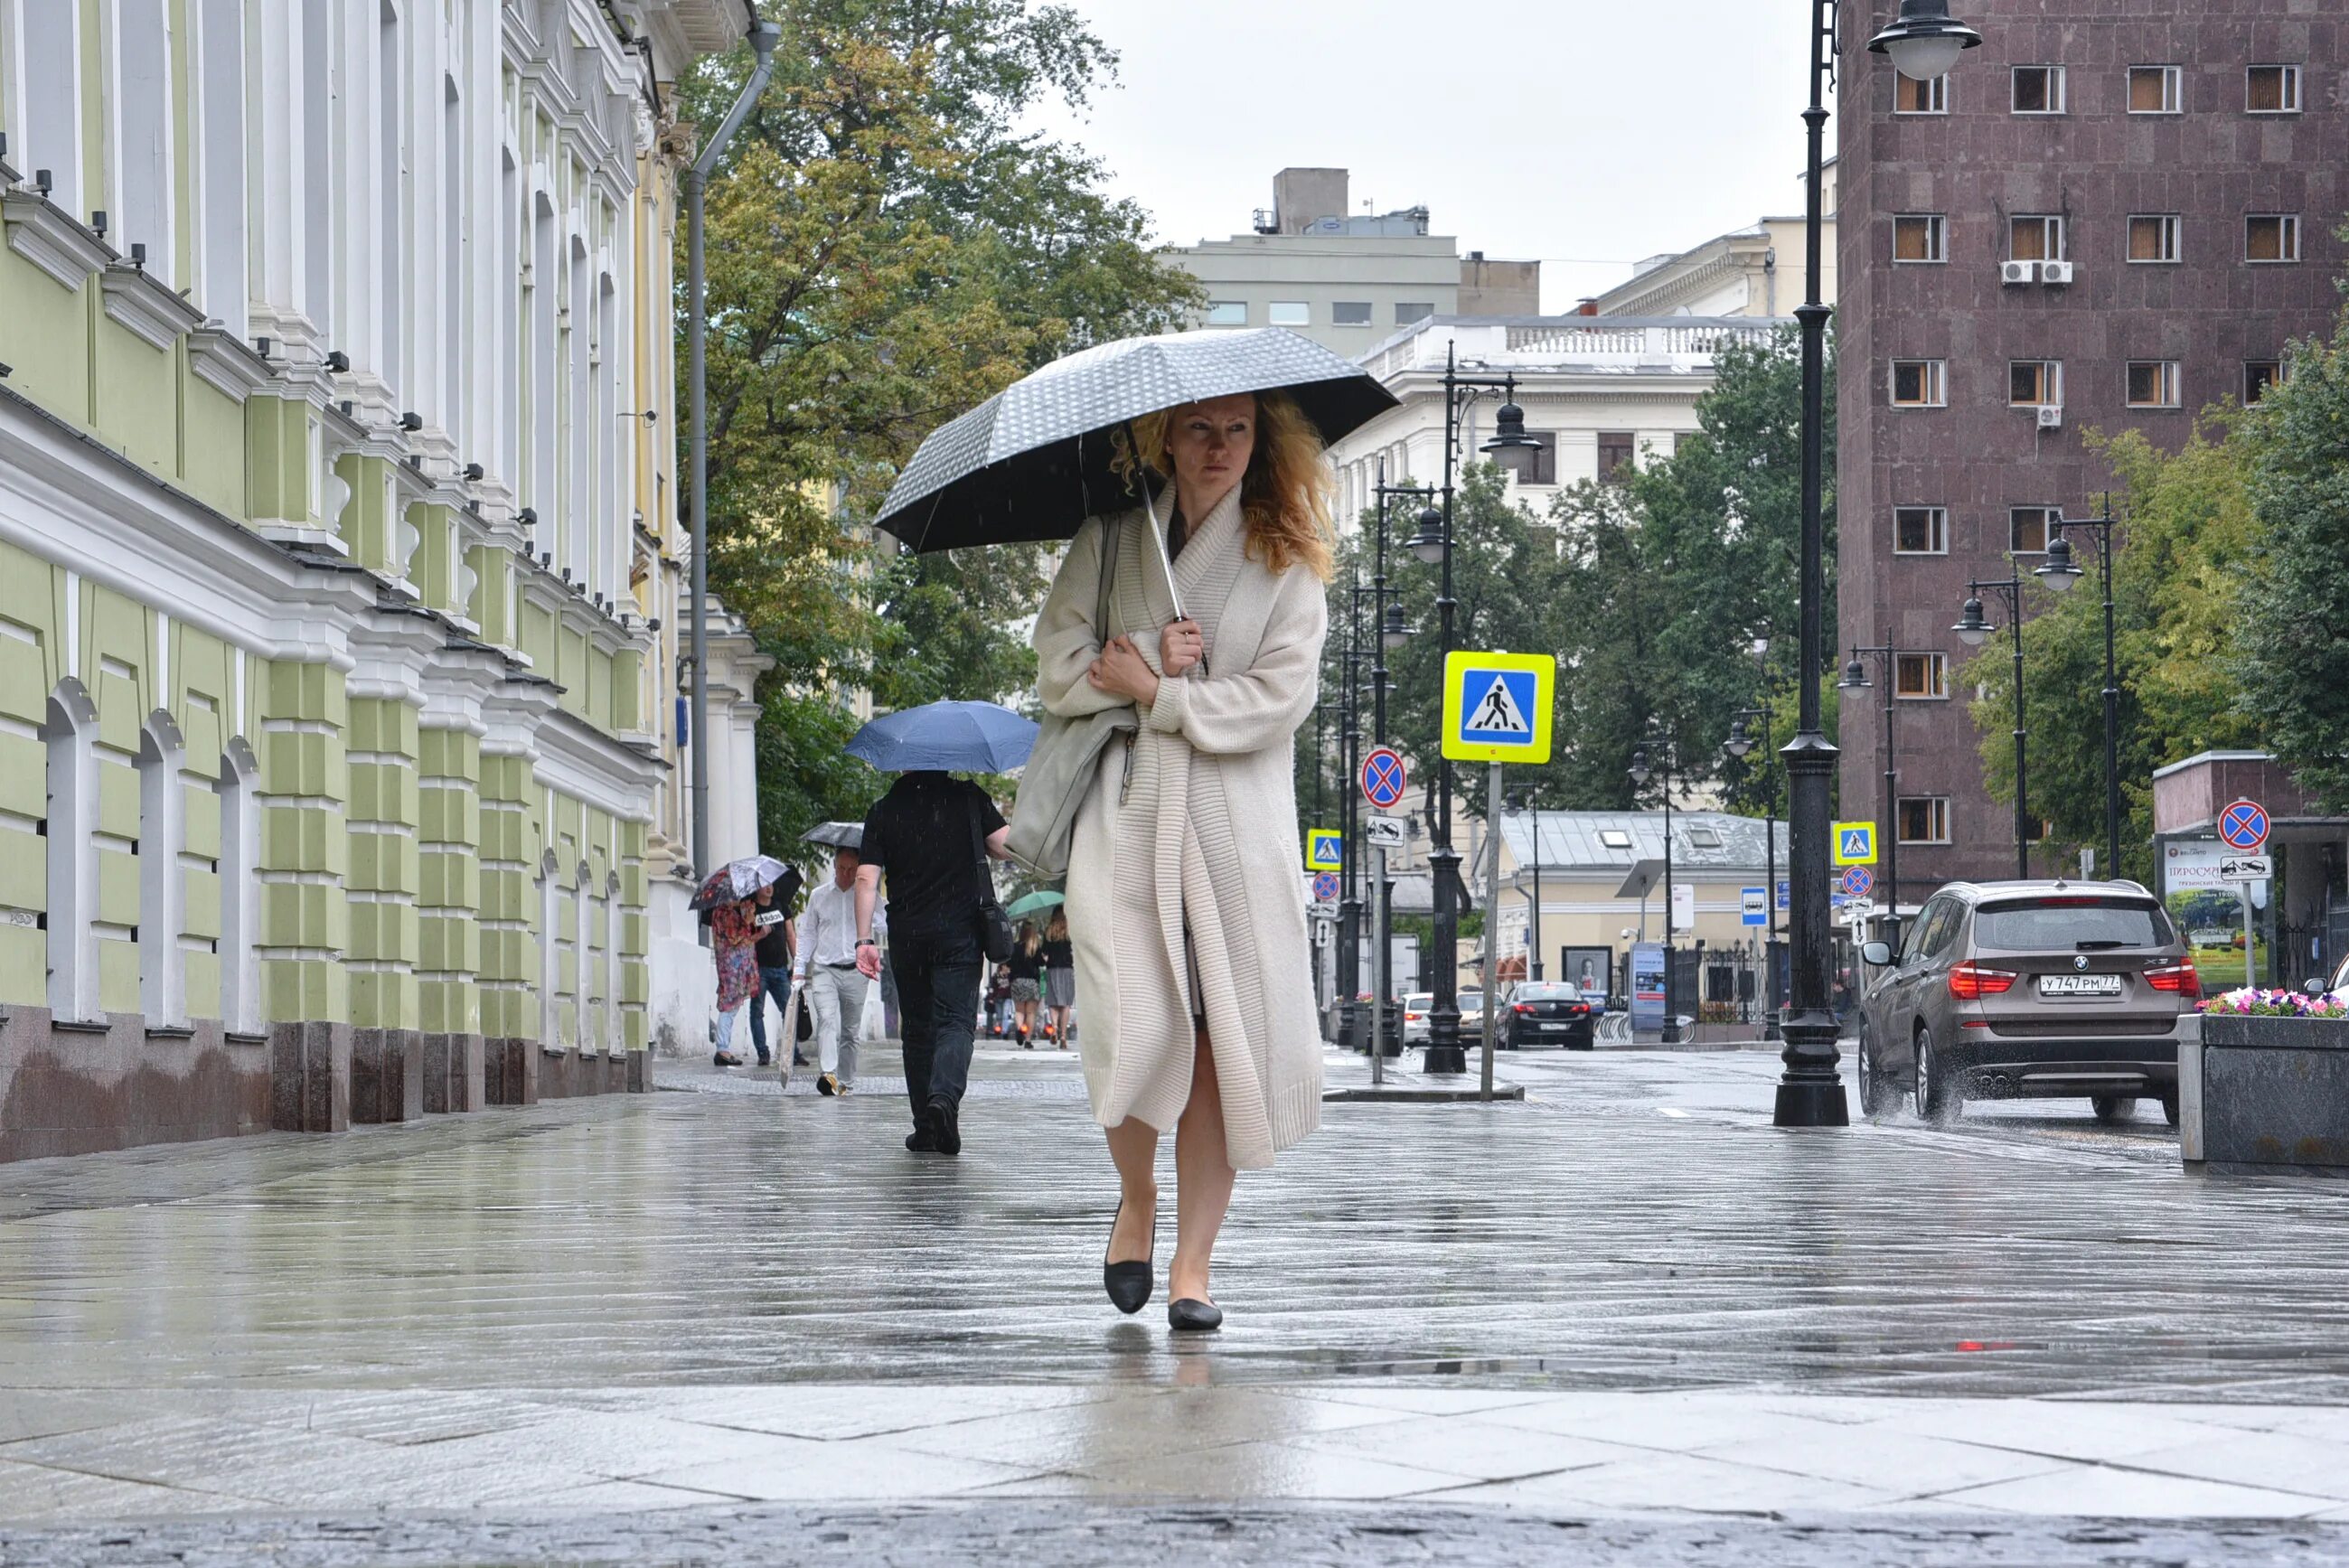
(1204, 837)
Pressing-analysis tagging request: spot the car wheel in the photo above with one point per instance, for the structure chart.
(1937, 1098)
(2112, 1110)
(1877, 1093)
(2169, 1107)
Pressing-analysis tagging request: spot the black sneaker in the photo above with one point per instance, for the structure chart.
(946, 1128)
(919, 1142)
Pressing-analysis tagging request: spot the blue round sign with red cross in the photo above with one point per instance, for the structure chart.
(1325, 886)
(1858, 881)
(1383, 780)
(2244, 825)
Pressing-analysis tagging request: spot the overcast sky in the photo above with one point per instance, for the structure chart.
(1585, 133)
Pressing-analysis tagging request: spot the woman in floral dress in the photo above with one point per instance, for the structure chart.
(734, 939)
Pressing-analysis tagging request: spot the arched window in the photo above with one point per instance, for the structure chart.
(240, 878)
(163, 891)
(69, 730)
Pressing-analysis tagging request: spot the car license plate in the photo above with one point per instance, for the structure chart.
(2079, 985)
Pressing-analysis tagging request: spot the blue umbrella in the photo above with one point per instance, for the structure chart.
(946, 738)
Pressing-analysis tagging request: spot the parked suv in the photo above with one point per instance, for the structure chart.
(2028, 989)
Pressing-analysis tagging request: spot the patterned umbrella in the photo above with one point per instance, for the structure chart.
(739, 880)
(1033, 461)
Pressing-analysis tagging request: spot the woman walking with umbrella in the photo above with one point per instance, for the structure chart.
(735, 898)
(1199, 637)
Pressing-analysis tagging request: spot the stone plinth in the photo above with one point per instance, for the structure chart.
(2265, 1091)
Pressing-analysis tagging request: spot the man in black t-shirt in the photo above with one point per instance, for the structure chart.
(927, 836)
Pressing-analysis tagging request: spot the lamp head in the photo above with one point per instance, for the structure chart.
(2060, 570)
(1924, 41)
(1971, 629)
(1855, 676)
(1638, 770)
(1739, 742)
(1509, 430)
(1428, 544)
(1396, 631)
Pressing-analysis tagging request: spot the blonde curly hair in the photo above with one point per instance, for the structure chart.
(1288, 494)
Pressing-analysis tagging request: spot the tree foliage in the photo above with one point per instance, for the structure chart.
(884, 249)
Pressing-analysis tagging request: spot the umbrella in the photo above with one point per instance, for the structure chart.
(948, 737)
(835, 835)
(739, 880)
(1033, 461)
(1034, 903)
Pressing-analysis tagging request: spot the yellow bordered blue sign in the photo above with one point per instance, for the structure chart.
(1496, 706)
(1325, 850)
(1855, 843)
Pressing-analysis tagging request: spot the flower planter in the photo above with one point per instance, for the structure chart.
(2265, 1091)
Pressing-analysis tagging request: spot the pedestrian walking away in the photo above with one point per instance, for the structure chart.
(733, 943)
(999, 1013)
(1186, 910)
(1060, 976)
(777, 942)
(1026, 981)
(934, 836)
(833, 984)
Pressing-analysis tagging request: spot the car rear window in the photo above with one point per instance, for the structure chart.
(2070, 925)
(1557, 992)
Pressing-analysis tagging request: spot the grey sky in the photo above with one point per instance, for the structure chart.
(1586, 133)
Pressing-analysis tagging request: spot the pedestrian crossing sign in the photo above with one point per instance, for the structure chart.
(1855, 843)
(1496, 706)
(1324, 850)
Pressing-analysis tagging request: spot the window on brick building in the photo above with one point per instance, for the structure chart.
(2153, 237)
(2035, 237)
(2039, 89)
(1921, 677)
(2259, 374)
(1350, 312)
(2026, 529)
(2156, 90)
(2272, 89)
(1910, 96)
(2032, 382)
(2271, 237)
(1924, 819)
(1920, 530)
(2153, 384)
(1918, 384)
(1920, 237)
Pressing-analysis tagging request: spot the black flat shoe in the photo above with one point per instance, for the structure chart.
(946, 1128)
(1190, 1316)
(1128, 1283)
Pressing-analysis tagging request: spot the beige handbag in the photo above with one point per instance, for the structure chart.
(1067, 756)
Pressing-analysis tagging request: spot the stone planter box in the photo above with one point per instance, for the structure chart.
(2265, 1091)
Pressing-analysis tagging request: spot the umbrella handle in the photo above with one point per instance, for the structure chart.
(1157, 530)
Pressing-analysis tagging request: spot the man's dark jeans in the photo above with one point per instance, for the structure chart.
(776, 983)
(938, 993)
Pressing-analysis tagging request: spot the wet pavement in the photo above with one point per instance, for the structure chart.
(1625, 1299)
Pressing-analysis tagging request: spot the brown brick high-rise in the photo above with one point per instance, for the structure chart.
(2186, 162)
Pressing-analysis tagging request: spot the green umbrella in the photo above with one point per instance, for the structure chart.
(1034, 903)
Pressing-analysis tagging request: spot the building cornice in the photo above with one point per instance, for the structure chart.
(50, 237)
(222, 359)
(153, 314)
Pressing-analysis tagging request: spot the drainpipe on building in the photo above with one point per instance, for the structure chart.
(764, 36)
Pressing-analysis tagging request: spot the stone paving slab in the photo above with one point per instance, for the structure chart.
(1048, 1533)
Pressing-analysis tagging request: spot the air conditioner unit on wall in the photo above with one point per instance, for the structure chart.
(2054, 271)
(2051, 416)
(2018, 272)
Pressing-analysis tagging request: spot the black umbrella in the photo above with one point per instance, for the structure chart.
(1032, 462)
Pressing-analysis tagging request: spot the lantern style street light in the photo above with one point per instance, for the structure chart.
(1855, 678)
(2060, 574)
(1973, 630)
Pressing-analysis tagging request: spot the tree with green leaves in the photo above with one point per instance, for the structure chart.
(887, 247)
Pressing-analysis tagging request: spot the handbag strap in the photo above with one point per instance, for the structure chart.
(979, 850)
(1112, 531)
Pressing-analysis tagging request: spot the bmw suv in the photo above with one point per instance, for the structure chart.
(2036, 990)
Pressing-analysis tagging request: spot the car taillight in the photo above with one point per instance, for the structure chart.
(2179, 977)
(1522, 1008)
(1969, 980)
(1578, 1007)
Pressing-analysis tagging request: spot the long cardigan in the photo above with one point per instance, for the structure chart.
(1195, 834)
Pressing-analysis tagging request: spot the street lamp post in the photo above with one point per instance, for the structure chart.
(1529, 800)
(1974, 631)
(1739, 744)
(1640, 774)
(1855, 678)
(2060, 574)
(1393, 632)
(1922, 42)
(1350, 903)
(1433, 545)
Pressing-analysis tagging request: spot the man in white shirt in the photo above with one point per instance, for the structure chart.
(834, 987)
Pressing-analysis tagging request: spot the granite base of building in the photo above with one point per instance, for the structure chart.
(387, 1076)
(571, 1075)
(453, 1074)
(310, 1076)
(511, 1070)
(78, 1089)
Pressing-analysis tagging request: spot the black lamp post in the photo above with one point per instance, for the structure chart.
(2059, 573)
(1741, 742)
(1923, 42)
(1640, 774)
(1975, 631)
(1393, 632)
(1855, 678)
(1350, 902)
(1433, 545)
(1529, 800)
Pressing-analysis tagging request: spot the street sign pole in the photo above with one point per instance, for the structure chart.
(1382, 983)
(2251, 940)
(1492, 918)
